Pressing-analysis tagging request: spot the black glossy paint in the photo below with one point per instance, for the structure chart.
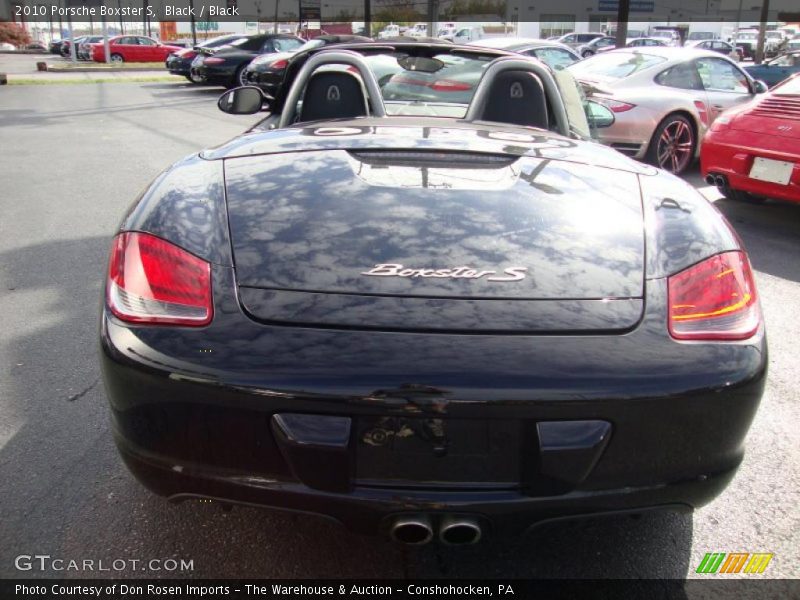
(464, 419)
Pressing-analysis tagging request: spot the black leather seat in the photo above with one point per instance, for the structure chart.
(517, 98)
(333, 95)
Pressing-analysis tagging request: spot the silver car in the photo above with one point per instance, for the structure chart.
(663, 99)
(554, 54)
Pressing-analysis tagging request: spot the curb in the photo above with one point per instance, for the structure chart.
(55, 69)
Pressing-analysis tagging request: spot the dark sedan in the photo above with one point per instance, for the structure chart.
(227, 65)
(776, 70)
(180, 62)
(266, 71)
(445, 318)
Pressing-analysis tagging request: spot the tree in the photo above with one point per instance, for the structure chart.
(14, 34)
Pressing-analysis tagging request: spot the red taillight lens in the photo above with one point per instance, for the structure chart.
(214, 61)
(153, 281)
(714, 300)
(187, 54)
(448, 85)
(616, 106)
(279, 64)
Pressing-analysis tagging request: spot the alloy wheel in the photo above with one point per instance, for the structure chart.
(675, 146)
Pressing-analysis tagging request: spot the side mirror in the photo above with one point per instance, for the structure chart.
(598, 115)
(246, 100)
(760, 87)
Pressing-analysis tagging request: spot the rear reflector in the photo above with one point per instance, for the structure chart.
(714, 300)
(151, 280)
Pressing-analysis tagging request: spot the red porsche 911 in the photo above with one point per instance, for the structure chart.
(754, 150)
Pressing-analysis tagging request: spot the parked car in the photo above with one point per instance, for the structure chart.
(663, 98)
(720, 46)
(598, 44)
(466, 35)
(746, 41)
(554, 54)
(66, 46)
(776, 70)
(755, 149)
(668, 35)
(7, 47)
(133, 48)
(227, 65)
(39, 46)
(647, 42)
(55, 47)
(435, 327)
(417, 31)
(267, 71)
(389, 31)
(84, 48)
(576, 40)
(180, 61)
(700, 36)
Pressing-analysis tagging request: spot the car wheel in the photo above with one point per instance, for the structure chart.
(673, 144)
(195, 77)
(587, 53)
(117, 58)
(239, 78)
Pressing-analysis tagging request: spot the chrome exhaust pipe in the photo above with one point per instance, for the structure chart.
(412, 530)
(459, 531)
(720, 182)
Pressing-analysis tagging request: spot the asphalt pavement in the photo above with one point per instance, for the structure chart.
(73, 158)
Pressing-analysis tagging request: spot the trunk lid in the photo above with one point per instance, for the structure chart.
(454, 241)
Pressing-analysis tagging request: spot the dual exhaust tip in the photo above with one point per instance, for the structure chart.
(717, 180)
(417, 530)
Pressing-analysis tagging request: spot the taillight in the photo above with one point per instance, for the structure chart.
(448, 85)
(151, 280)
(714, 300)
(616, 106)
(279, 64)
(187, 54)
(214, 61)
(702, 111)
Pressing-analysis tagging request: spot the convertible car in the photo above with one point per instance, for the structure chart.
(442, 319)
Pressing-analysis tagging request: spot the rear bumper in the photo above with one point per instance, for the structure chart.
(194, 414)
(370, 510)
(727, 153)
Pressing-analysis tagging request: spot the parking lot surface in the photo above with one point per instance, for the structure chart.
(73, 158)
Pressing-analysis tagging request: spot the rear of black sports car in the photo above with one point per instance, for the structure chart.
(458, 337)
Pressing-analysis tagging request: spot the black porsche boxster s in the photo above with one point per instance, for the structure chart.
(419, 300)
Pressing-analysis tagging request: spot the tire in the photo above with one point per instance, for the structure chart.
(196, 78)
(117, 58)
(238, 77)
(673, 144)
(587, 53)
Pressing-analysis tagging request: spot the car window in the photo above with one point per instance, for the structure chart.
(249, 43)
(555, 58)
(586, 37)
(570, 39)
(615, 65)
(787, 60)
(127, 41)
(719, 75)
(603, 42)
(682, 76)
(286, 44)
(143, 41)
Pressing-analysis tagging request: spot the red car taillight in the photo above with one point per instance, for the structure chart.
(214, 61)
(281, 64)
(616, 106)
(187, 54)
(151, 280)
(714, 300)
(448, 85)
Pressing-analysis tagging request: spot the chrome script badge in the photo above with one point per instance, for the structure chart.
(397, 270)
